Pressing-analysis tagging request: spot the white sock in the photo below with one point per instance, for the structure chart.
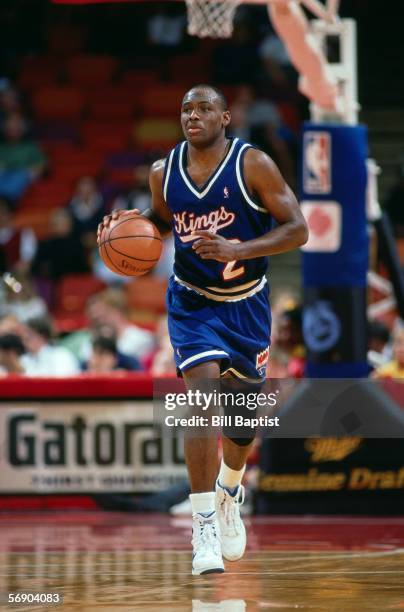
(230, 478)
(203, 503)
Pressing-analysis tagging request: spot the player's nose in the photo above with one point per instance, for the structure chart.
(194, 114)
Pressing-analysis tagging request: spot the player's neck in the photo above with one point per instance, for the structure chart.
(211, 154)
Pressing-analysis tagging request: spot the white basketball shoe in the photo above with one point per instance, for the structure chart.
(232, 530)
(207, 552)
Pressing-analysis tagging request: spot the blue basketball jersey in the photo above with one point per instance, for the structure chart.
(222, 205)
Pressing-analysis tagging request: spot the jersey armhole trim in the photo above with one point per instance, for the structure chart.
(241, 181)
(167, 172)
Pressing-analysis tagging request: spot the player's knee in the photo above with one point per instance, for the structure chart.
(241, 441)
(240, 412)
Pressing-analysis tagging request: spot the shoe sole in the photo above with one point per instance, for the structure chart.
(233, 558)
(212, 570)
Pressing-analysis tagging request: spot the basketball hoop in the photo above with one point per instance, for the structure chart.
(211, 18)
(214, 18)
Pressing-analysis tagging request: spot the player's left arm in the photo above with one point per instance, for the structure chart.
(265, 182)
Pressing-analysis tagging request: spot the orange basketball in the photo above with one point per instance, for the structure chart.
(130, 246)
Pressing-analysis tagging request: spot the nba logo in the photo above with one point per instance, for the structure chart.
(317, 162)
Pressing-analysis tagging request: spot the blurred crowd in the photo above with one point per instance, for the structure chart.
(110, 341)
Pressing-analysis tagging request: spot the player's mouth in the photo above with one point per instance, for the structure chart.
(194, 129)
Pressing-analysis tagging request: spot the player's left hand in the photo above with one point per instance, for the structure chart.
(213, 246)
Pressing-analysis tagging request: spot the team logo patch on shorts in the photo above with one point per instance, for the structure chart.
(262, 359)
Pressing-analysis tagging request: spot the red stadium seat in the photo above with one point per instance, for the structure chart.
(161, 101)
(90, 70)
(135, 80)
(62, 102)
(35, 78)
(147, 294)
(73, 292)
(37, 220)
(45, 195)
(106, 137)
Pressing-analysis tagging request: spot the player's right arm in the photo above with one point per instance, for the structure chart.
(159, 213)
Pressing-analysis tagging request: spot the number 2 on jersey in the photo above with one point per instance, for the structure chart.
(230, 272)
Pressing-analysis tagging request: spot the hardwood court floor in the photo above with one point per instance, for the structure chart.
(117, 562)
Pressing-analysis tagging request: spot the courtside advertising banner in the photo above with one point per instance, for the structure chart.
(84, 447)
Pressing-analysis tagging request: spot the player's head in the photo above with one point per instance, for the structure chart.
(204, 115)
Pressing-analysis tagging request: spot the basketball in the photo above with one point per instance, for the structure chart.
(130, 246)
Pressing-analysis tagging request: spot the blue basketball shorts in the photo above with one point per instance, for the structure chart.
(236, 333)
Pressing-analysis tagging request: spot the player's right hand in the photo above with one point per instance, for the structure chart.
(116, 214)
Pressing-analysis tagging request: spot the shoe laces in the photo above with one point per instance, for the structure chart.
(230, 507)
(204, 532)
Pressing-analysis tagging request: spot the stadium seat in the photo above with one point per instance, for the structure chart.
(90, 70)
(161, 101)
(151, 134)
(37, 71)
(147, 294)
(45, 195)
(62, 102)
(134, 80)
(73, 292)
(106, 137)
(37, 220)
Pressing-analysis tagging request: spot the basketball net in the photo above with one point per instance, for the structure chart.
(211, 19)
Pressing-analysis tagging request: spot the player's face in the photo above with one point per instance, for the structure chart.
(202, 117)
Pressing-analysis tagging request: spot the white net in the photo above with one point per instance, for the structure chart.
(209, 18)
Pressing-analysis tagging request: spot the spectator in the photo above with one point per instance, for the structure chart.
(105, 357)
(162, 360)
(289, 341)
(10, 103)
(138, 196)
(61, 253)
(107, 313)
(21, 161)
(277, 74)
(42, 358)
(395, 367)
(87, 210)
(258, 120)
(272, 48)
(11, 349)
(20, 299)
(166, 28)
(9, 324)
(235, 61)
(17, 246)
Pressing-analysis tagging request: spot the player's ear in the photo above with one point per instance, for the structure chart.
(226, 118)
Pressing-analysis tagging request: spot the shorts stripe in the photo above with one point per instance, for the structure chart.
(199, 355)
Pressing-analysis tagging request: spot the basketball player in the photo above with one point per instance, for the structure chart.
(219, 196)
